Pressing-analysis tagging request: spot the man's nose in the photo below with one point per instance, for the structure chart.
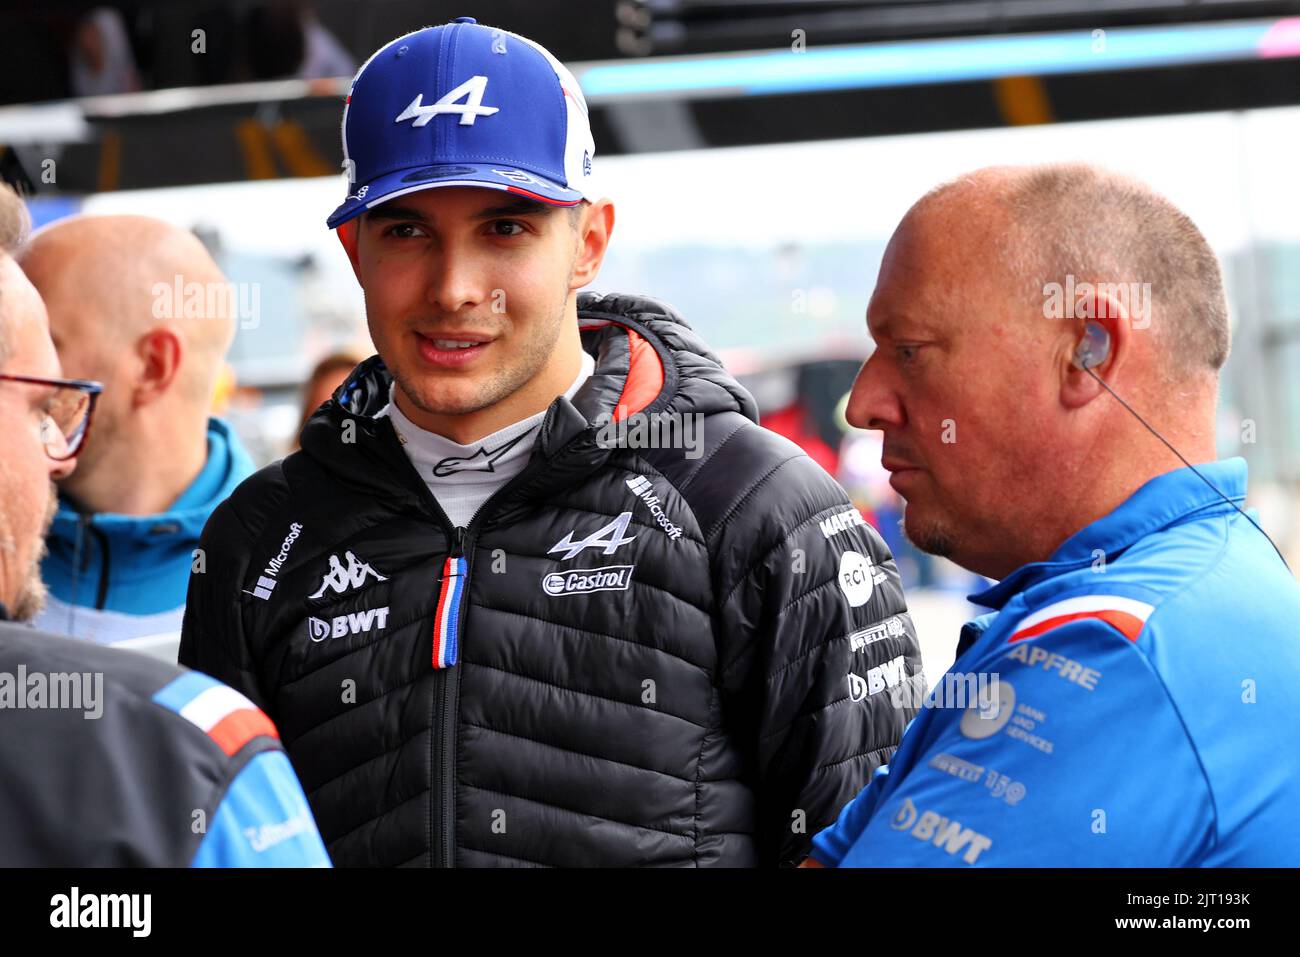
(456, 280)
(873, 402)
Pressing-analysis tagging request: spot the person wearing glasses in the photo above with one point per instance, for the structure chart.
(123, 541)
(110, 759)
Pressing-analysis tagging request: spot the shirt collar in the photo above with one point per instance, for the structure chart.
(1163, 501)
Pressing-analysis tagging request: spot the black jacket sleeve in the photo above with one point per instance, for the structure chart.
(820, 664)
(212, 635)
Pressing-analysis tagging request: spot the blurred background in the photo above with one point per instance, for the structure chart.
(759, 153)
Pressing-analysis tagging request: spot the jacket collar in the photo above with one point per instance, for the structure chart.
(1165, 500)
(226, 466)
(648, 359)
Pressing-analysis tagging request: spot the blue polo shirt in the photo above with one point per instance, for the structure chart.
(1132, 701)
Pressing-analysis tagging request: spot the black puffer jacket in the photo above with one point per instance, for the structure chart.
(709, 698)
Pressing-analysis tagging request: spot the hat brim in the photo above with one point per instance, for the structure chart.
(481, 175)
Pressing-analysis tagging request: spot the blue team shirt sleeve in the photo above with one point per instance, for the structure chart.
(263, 820)
(832, 843)
(1065, 775)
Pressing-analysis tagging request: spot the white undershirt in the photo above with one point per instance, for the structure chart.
(463, 477)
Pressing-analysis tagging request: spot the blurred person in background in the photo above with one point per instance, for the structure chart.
(497, 632)
(139, 305)
(326, 377)
(110, 759)
(1131, 698)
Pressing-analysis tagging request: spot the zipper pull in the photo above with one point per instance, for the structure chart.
(446, 619)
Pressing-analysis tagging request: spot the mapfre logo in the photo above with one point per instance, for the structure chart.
(938, 830)
(355, 623)
(341, 580)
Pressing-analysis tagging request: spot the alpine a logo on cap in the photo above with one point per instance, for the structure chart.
(495, 105)
(472, 89)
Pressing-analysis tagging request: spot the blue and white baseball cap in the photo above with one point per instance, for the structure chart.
(464, 104)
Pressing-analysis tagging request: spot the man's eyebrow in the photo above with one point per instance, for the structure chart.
(389, 211)
(518, 207)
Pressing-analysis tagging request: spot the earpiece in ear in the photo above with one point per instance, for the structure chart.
(1094, 348)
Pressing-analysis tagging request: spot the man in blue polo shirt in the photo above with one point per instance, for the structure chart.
(1132, 698)
(140, 305)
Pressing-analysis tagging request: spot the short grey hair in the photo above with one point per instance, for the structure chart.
(15, 224)
(1077, 219)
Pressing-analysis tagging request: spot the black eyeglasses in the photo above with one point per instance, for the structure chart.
(67, 415)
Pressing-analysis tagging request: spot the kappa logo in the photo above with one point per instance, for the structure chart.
(642, 489)
(354, 623)
(472, 90)
(608, 538)
(481, 460)
(586, 580)
(858, 578)
(340, 579)
(266, 582)
(938, 830)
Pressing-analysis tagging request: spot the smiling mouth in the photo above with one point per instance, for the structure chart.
(449, 351)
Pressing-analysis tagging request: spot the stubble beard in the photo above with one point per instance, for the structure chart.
(32, 593)
(933, 537)
(539, 345)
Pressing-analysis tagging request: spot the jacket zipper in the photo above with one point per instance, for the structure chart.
(446, 697)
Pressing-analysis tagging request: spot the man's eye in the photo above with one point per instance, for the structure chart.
(507, 227)
(404, 231)
(906, 353)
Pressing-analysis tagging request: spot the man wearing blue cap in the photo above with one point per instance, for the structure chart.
(538, 590)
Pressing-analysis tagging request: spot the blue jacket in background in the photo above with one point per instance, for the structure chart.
(121, 579)
(1136, 702)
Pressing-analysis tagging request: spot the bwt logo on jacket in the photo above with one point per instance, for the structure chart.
(939, 831)
(643, 490)
(354, 623)
(888, 675)
(266, 581)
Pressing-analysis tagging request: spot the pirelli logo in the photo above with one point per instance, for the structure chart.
(891, 627)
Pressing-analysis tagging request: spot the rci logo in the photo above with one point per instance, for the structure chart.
(857, 578)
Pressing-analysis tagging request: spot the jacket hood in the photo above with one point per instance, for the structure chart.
(648, 360)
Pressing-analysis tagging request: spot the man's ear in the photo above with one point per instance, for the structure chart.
(348, 233)
(160, 352)
(1078, 388)
(594, 230)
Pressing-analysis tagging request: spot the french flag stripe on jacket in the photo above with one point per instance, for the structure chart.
(1126, 615)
